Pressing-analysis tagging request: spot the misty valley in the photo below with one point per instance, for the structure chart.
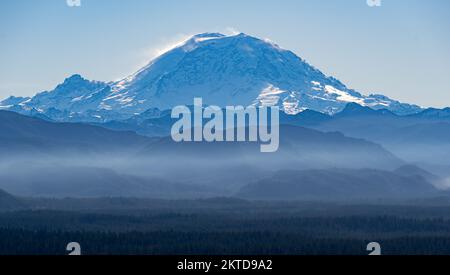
(322, 192)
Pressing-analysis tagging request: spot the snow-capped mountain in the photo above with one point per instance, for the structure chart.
(223, 70)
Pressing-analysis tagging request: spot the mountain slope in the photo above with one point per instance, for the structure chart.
(223, 70)
(9, 202)
(424, 137)
(299, 147)
(26, 135)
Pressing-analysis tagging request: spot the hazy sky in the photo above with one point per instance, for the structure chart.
(400, 49)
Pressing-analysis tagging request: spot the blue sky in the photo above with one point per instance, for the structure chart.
(400, 49)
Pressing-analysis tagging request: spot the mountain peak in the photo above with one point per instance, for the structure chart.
(12, 101)
(236, 69)
(434, 113)
(355, 108)
(204, 39)
(209, 35)
(74, 79)
(221, 35)
(352, 106)
(224, 70)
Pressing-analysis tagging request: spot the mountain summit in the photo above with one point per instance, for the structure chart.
(223, 70)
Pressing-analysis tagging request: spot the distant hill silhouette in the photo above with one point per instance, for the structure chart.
(22, 134)
(9, 202)
(338, 184)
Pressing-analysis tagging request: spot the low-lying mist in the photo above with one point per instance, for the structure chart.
(201, 173)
